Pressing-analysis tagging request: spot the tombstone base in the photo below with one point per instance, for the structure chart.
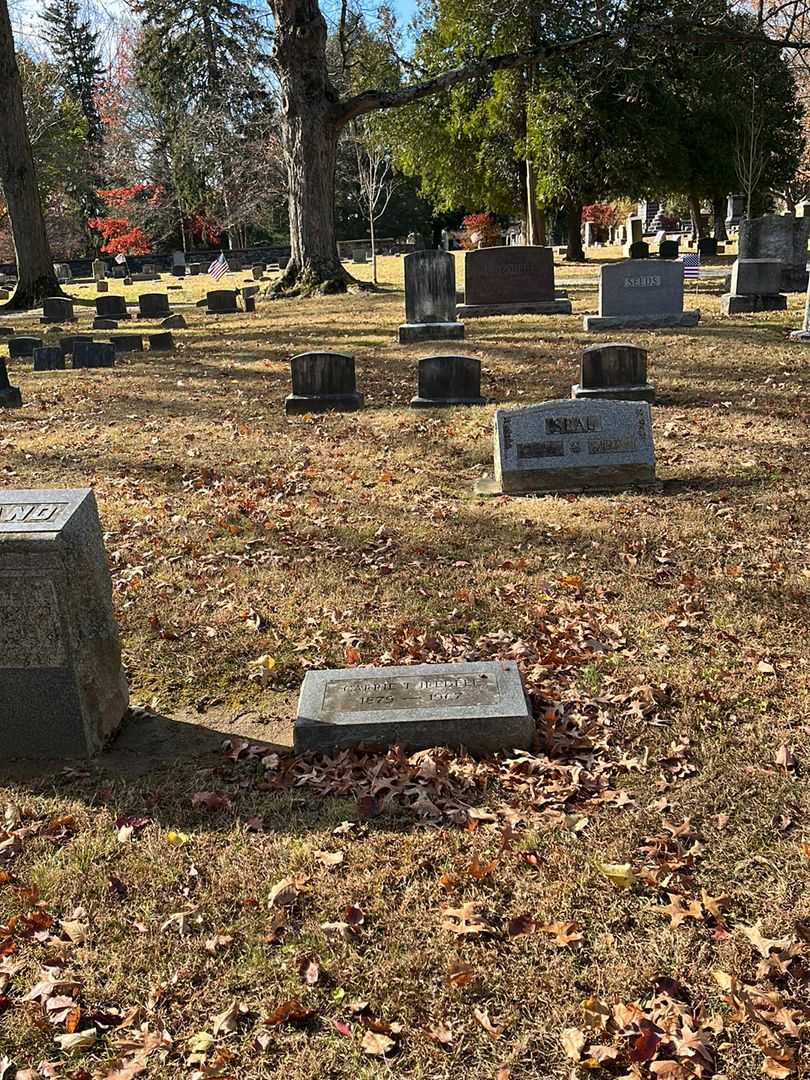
(800, 335)
(416, 332)
(298, 404)
(739, 304)
(794, 279)
(441, 403)
(645, 392)
(571, 481)
(561, 305)
(55, 322)
(10, 398)
(639, 322)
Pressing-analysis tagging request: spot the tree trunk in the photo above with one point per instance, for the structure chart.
(574, 252)
(698, 228)
(309, 135)
(36, 277)
(719, 214)
(535, 230)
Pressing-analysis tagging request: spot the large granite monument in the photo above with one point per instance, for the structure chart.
(571, 446)
(511, 280)
(430, 298)
(480, 706)
(62, 688)
(639, 294)
(778, 236)
(755, 285)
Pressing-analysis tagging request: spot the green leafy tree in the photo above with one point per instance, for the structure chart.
(75, 48)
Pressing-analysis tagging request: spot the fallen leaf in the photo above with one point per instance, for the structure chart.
(289, 1012)
(493, 1030)
(376, 1044)
(565, 933)
(464, 920)
(762, 944)
(226, 1022)
(573, 1041)
(329, 858)
(441, 1034)
(619, 874)
(460, 974)
(285, 892)
(77, 1042)
(521, 925)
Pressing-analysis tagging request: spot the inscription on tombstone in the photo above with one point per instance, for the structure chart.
(480, 706)
(639, 293)
(62, 688)
(430, 298)
(571, 445)
(512, 280)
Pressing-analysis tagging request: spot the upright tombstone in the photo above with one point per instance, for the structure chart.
(480, 706)
(57, 309)
(322, 382)
(221, 302)
(430, 298)
(778, 236)
(804, 333)
(93, 354)
(163, 342)
(154, 305)
(62, 688)
(49, 358)
(639, 294)
(127, 343)
(735, 208)
(617, 372)
(511, 281)
(448, 380)
(99, 270)
(178, 264)
(20, 348)
(635, 233)
(669, 249)
(111, 307)
(754, 287)
(707, 245)
(64, 274)
(66, 343)
(571, 446)
(10, 398)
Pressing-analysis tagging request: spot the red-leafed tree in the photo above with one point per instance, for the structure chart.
(480, 230)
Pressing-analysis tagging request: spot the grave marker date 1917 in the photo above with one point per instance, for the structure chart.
(571, 446)
(480, 706)
(62, 688)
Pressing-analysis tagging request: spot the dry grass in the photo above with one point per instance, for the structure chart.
(233, 532)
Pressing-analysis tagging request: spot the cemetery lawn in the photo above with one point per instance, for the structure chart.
(632, 900)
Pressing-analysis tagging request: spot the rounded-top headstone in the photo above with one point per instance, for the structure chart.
(56, 309)
(322, 382)
(613, 364)
(154, 305)
(448, 380)
(221, 301)
(111, 307)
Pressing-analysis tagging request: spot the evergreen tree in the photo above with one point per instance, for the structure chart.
(75, 48)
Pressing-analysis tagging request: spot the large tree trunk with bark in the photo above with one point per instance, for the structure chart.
(36, 277)
(698, 224)
(574, 252)
(310, 127)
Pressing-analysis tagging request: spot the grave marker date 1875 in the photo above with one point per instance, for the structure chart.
(571, 446)
(481, 706)
(62, 687)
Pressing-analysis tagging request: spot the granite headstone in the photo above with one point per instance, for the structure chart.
(22, 347)
(322, 382)
(430, 298)
(49, 358)
(154, 305)
(93, 354)
(221, 302)
(755, 285)
(57, 309)
(10, 398)
(448, 380)
(617, 371)
(514, 280)
(641, 294)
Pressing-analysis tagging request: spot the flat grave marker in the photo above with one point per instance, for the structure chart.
(481, 706)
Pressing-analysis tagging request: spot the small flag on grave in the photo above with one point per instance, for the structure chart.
(691, 266)
(218, 267)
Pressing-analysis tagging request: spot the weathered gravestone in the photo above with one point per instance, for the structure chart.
(174, 322)
(570, 446)
(64, 275)
(778, 236)
(56, 309)
(707, 245)
(634, 234)
(21, 347)
(127, 343)
(430, 298)
(754, 287)
(639, 249)
(62, 689)
(221, 302)
(49, 358)
(448, 380)
(481, 706)
(511, 281)
(178, 264)
(194, 268)
(93, 354)
(10, 398)
(111, 307)
(99, 270)
(163, 342)
(154, 305)
(641, 294)
(66, 343)
(323, 382)
(258, 271)
(102, 286)
(617, 371)
(669, 249)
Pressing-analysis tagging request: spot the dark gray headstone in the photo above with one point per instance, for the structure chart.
(707, 245)
(572, 445)
(102, 286)
(163, 342)
(511, 280)
(249, 304)
(778, 236)
(481, 706)
(194, 268)
(56, 309)
(111, 307)
(10, 398)
(617, 371)
(154, 305)
(7, 331)
(127, 343)
(641, 293)
(20, 347)
(258, 271)
(639, 249)
(430, 298)
(323, 382)
(221, 302)
(174, 322)
(669, 249)
(49, 358)
(755, 285)
(93, 354)
(62, 688)
(104, 324)
(66, 343)
(448, 380)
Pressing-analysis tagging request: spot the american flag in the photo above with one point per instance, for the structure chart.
(218, 267)
(121, 258)
(691, 266)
